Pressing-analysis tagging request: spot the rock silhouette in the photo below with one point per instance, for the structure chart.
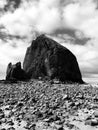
(8, 72)
(15, 72)
(47, 58)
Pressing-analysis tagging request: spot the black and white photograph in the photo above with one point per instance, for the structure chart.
(48, 64)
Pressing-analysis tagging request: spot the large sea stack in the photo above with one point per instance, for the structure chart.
(47, 58)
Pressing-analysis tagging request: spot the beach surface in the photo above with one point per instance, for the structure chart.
(44, 105)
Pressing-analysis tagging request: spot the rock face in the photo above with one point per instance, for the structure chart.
(47, 58)
(14, 72)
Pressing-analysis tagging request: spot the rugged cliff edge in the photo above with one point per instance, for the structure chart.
(47, 58)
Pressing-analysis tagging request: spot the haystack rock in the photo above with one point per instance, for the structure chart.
(15, 72)
(47, 58)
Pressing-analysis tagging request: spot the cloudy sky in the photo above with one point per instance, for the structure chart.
(73, 23)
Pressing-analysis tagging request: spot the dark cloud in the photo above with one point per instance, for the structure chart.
(5, 36)
(81, 41)
(12, 4)
(70, 34)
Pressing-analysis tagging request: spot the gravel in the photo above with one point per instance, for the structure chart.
(44, 105)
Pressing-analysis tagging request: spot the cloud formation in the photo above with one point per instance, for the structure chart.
(73, 23)
(48, 16)
(82, 16)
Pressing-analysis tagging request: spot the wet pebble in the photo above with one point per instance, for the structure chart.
(61, 128)
(2, 115)
(21, 104)
(3, 129)
(11, 128)
(96, 114)
(11, 123)
(92, 122)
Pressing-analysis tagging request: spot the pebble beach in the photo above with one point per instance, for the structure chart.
(44, 105)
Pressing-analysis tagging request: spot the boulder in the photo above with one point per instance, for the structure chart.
(47, 58)
(15, 72)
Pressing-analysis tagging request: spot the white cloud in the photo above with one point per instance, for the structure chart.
(82, 16)
(43, 16)
(47, 16)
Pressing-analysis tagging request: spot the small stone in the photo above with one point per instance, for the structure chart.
(10, 122)
(39, 115)
(0, 122)
(1, 102)
(50, 113)
(1, 110)
(77, 103)
(92, 122)
(96, 114)
(95, 99)
(20, 104)
(18, 119)
(13, 102)
(32, 126)
(11, 128)
(89, 118)
(61, 128)
(2, 115)
(49, 120)
(70, 126)
(65, 97)
(56, 118)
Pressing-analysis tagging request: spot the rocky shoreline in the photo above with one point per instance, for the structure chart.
(44, 105)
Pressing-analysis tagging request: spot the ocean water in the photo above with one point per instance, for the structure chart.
(91, 80)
